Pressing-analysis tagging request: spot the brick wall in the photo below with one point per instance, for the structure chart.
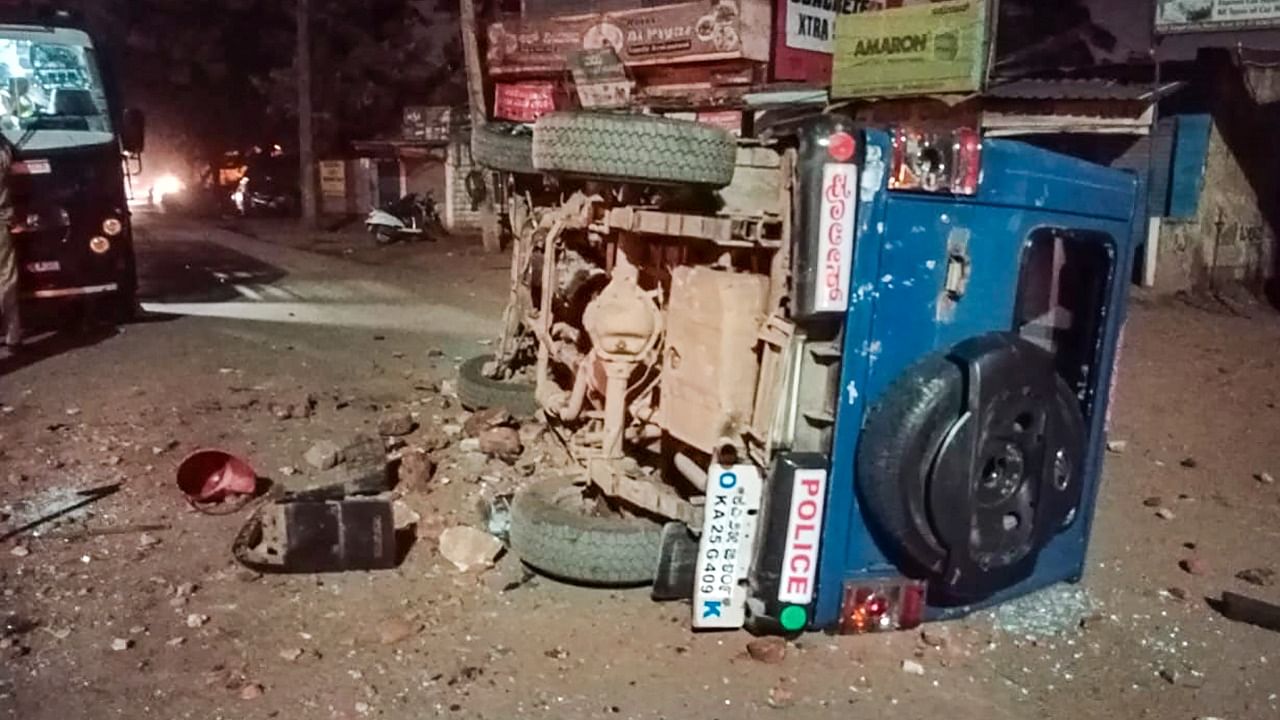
(458, 215)
(1229, 239)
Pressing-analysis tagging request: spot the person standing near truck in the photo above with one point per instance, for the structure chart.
(10, 320)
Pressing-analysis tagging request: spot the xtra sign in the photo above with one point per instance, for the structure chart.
(1174, 16)
(921, 48)
(811, 24)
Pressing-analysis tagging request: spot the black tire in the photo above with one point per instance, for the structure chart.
(903, 436)
(569, 545)
(383, 236)
(478, 392)
(907, 481)
(99, 311)
(503, 146)
(638, 148)
(125, 308)
(435, 229)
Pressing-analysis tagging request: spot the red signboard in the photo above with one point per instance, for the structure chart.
(730, 120)
(523, 102)
(798, 61)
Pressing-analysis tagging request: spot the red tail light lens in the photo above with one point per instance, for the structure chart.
(937, 162)
(841, 147)
(881, 606)
(968, 162)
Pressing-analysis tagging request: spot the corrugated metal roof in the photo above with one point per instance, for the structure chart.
(1039, 89)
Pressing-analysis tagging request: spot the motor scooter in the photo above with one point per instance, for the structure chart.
(413, 216)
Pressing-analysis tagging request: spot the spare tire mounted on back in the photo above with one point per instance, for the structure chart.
(971, 462)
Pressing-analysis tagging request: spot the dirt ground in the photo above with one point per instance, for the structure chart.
(164, 623)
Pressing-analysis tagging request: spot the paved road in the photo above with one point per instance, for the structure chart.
(425, 640)
(189, 268)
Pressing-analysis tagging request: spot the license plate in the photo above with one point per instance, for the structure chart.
(47, 266)
(724, 551)
(37, 166)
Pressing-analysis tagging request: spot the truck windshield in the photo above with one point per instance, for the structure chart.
(51, 93)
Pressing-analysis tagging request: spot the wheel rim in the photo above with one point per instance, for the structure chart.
(1007, 480)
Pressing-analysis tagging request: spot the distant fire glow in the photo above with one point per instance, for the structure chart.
(166, 185)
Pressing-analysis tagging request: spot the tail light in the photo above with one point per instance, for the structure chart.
(937, 161)
(881, 606)
(840, 146)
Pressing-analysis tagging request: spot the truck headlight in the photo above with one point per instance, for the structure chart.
(100, 245)
(112, 227)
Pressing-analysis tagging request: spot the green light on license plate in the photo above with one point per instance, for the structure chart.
(794, 618)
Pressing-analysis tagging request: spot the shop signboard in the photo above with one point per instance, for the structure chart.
(916, 49)
(1197, 16)
(682, 32)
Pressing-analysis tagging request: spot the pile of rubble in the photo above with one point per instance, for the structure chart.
(345, 482)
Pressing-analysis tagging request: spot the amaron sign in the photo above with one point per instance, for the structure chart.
(806, 40)
(918, 48)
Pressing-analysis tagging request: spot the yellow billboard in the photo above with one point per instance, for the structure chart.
(918, 48)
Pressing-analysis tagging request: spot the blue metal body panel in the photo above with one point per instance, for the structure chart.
(893, 320)
(1191, 152)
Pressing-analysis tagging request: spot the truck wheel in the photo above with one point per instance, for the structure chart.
(638, 148)
(551, 535)
(116, 309)
(125, 309)
(478, 392)
(504, 146)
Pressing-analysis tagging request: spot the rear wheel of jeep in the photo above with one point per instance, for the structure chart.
(554, 532)
(634, 148)
(478, 392)
(503, 146)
